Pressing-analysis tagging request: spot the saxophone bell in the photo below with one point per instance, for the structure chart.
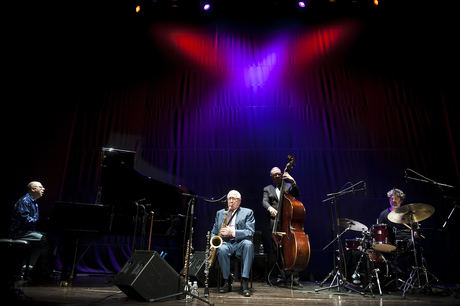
(216, 242)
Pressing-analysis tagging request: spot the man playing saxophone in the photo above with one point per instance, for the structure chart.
(236, 234)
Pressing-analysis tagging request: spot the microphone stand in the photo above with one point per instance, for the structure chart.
(136, 217)
(424, 179)
(411, 281)
(337, 281)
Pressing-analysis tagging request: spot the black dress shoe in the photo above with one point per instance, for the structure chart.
(244, 284)
(227, 287)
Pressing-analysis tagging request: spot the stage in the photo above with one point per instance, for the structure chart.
(90, 289)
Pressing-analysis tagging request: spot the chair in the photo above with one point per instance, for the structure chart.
(235, 262)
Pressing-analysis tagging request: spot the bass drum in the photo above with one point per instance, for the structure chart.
(352, 244)
(360, 265)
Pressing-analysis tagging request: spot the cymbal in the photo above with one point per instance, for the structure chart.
(352, 224)
(418, 211)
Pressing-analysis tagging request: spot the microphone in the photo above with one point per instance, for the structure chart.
(365, 189)
(405, 174)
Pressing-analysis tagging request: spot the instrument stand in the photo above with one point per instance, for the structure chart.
(326, 278)
(416, 270)
(414, 280)
(186, 291)
(337, 281)
(136, 219)
(334, 272)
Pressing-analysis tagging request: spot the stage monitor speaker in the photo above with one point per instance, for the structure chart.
(146, 276)
(196, 269)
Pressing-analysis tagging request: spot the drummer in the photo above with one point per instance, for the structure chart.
(396, 197)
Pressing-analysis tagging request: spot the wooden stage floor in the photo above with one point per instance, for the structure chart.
(99, 290)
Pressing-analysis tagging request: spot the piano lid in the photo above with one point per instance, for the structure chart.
(126, 189)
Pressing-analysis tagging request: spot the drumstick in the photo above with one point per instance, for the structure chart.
(410, 228)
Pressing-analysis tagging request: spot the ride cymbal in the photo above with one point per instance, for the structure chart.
(416, 211)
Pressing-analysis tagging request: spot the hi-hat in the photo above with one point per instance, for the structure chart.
(352, 224)
(418, 212)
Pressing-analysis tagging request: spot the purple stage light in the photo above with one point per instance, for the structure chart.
(301, 4)
(206, 6)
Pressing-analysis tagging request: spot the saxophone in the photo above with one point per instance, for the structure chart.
(216, 241)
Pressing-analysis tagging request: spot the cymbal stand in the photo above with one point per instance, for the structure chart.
(414, 278)
(335, 272)
(337, 280)
(336, 238)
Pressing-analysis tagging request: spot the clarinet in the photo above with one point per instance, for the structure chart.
(186, 263)
(207, 266)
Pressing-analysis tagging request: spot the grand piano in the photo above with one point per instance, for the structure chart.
(124, 204)
(129, 193)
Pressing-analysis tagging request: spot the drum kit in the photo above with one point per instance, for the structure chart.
(365, 265)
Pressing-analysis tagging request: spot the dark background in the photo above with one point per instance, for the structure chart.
(382, 98)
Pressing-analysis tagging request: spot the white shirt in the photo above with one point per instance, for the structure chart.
(277, 190)
(231, 225)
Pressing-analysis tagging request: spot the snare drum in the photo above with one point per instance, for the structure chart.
(383, 238)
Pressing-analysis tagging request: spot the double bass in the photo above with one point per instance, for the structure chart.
(294, 244)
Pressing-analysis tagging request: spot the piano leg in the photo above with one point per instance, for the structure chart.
(69, 259)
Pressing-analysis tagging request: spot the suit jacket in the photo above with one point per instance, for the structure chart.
(270, 198)
(244, 223)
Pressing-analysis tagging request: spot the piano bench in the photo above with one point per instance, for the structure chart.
(15, 253)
